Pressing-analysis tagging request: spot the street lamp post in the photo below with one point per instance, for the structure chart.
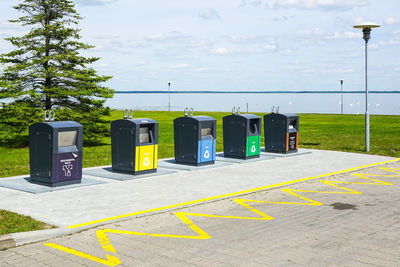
(169, 96)
(341, 96)
(366, 28)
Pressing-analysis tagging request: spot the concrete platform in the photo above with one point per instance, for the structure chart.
(23, 184)
(114, 198)
(106, 172)
(170, 164)
(220, 157)
(298, 153)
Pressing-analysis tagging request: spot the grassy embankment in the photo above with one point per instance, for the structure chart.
(331, 132)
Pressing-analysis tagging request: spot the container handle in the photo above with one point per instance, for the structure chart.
(186, 110)
(237, 110)
(128, 114)
(191, 112)
(233, 111)
(49, 115)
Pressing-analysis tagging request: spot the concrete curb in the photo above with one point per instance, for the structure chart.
(7, 241)
(19, 239)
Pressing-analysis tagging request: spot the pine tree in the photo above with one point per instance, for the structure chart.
(46, 70)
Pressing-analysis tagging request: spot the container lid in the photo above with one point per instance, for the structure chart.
(142, 121)
(249, 116)
(203, 118)
(62, 124)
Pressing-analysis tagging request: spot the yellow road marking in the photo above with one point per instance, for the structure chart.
(225, 195)
(111, 260)
(201, 234)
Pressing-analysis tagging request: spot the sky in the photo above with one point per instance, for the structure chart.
(236, 44)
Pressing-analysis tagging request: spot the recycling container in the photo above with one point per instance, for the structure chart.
(281, 133)
(55, 152)
(242, 136)
(194, 138)
(134, 145)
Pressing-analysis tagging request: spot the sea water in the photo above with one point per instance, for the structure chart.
(353, 103)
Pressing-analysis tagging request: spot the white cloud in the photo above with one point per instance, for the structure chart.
(281, 18)
(308, 71)
(392, 20)
(311, 33)
(201, 69)
(397, 69)
(209, 14)
(270, 47)
(107, 36)
(396, 31)
(373, 46)
(390, 42)
(341, 70)
(345, 35)
(179, 66)
(173, 36)
(220, 51)
(140, 63)
(287, 52)
(309, 4)
(358, 20)
(94, 2)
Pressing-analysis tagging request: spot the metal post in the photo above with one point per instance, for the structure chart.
(366, 98)
(366, 28)
(169, 96)
(341, 96)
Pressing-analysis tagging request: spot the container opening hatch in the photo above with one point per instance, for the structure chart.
(292, 124)
(253, 126)
(67, 138)
(145, 135)
(206, 132)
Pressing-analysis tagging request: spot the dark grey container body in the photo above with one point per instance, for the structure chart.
(195, 140)
(55, 152)
(237, 130)
(281, 133)
(126, 136)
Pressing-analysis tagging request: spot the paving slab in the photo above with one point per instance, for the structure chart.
(24, 184)
(298, 153)
(90, 203)
(170, 163)
(107, 172)
(221, 157)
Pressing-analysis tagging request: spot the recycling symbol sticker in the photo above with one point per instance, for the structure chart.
(253, 149)
(206, 154)
(67, 169)
(146, 161)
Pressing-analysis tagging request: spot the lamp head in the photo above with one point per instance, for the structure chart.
(366, 27)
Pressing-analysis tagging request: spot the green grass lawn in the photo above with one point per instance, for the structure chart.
(11, 222)
(319, 131)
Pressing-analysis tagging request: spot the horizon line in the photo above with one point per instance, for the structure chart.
(252, 92)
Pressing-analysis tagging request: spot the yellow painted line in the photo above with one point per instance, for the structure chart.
(226, 195)
(111, 260)
(107, 247)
